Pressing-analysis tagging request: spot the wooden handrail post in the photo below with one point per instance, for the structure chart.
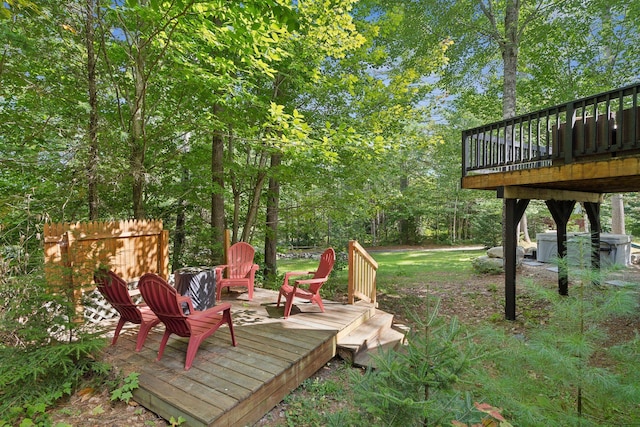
(350, 256)
(362, 274)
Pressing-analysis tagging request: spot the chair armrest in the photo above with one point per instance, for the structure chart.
(298, 273)
(311, 281)
(187, 299)
(215, 309)
(220, 267)
(295, 273)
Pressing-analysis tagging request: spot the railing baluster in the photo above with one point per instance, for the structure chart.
(605, 123)
(633, 126)
(609, 129)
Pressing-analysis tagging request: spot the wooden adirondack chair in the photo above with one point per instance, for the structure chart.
(115, 291)
(166, 303)
(239, 270)
(312, 290)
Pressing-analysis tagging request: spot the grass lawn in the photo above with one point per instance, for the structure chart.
(397, 269)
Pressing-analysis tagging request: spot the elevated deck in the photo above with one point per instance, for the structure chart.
(236, 386)
(569, 153)
(590, 145)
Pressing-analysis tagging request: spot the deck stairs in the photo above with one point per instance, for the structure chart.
(375, 334)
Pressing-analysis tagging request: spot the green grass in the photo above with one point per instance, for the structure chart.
(404, 265)
(401, 268)
(396, 269)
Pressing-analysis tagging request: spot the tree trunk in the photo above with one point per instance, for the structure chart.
(137, 138)
(525, 228)
(217, 195)
(617, 214)
(235, 191)
(509, 50)
(179, 234)
(271, 235)
(252, 212)
(92, 161)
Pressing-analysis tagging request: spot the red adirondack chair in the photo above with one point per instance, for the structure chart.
(166, 303)
(312, 291)
(239, 270)
(115, 291)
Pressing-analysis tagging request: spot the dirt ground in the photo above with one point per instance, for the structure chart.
(479, 299)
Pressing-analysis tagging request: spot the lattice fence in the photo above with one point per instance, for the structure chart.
(97, 309)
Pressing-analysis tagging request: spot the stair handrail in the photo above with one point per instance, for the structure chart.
(362, 274)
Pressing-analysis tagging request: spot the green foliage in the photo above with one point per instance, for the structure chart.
(415, 384)
(34, 378)
(554, 374)
(487, 224)
(44, 354)
(124, 392)
(176, 422)
(309, 406)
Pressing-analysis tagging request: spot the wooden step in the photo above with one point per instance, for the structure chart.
(371, 334)
(389, 339)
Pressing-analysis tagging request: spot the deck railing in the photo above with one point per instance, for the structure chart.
(362, 274)
(604, 125)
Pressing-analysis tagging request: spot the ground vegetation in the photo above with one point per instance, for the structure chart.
(533, 369)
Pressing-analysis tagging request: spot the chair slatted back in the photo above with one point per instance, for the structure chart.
(327, 259)
(115, 291)
(162, 298)
(240, 260)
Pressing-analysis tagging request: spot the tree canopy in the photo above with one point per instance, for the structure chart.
(290, 123)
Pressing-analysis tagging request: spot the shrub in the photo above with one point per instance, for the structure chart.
(553, 374)
(45, 353)
(415, 384)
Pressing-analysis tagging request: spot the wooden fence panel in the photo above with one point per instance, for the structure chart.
(130, 248)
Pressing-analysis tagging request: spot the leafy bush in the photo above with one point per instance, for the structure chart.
(44, 354)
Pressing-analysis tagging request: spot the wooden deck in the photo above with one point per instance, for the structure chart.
(236, 386)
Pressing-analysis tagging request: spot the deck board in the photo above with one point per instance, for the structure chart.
(236, 386)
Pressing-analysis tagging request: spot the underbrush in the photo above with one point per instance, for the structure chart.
(45, 353)
(568, 360)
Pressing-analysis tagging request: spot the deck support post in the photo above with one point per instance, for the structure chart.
(593, 213)
(514, 209)
(561, 211)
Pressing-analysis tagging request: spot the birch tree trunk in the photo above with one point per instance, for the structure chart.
(617, 214)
